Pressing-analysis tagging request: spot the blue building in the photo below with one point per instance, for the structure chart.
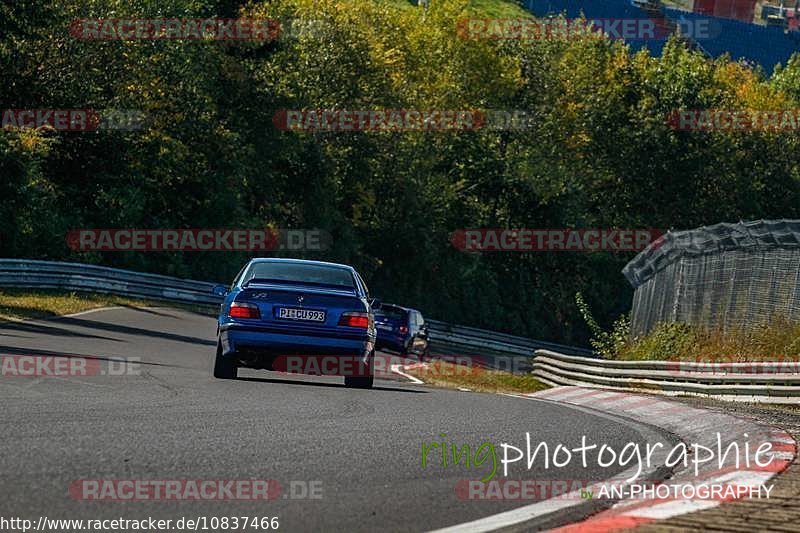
(762, 45)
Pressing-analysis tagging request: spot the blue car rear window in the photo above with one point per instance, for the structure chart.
(301, 273)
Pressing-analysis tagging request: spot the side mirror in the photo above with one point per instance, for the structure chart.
(374, 303)
(220, 290)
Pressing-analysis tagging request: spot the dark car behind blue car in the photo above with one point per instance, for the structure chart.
(401, 329)
(291, 308)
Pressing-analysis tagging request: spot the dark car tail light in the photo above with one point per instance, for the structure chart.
(403, 329)
(354, 319)
(243, 310)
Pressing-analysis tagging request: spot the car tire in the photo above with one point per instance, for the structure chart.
(426, 353)
(224, 368)
(358, 382)
(361, 382)
(405, 351)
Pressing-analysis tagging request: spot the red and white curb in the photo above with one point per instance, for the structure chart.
(398, 369)
(691, 425)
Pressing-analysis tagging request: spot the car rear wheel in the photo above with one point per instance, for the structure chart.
(406, 349)
(362, 381)
(358, 382)
(426, 353)
(224, 368)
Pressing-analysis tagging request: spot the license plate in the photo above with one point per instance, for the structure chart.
(385, 327)
(310, 315)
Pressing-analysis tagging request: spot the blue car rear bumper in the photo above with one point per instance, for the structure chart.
(237, 339)
(392, 341)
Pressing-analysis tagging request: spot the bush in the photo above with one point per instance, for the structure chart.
(606, 343)
(777, 341)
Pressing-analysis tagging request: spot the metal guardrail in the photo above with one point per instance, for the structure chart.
(34, 274)
(768, 381)
(468, 337)
(25, 273)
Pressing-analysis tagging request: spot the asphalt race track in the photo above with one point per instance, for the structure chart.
(171, 419)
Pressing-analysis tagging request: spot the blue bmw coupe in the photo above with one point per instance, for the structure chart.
(297, 316)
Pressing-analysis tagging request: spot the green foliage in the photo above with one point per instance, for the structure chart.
(599, 154)
(668, 341)
(607, 344)
(778, 340)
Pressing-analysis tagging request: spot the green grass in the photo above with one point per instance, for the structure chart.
(452, 376)
(777, 341)
(19, 304)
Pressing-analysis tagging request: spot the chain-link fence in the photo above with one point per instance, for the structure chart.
(718, 276)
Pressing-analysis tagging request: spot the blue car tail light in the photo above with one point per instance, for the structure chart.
(354, 319)
(243, 310)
